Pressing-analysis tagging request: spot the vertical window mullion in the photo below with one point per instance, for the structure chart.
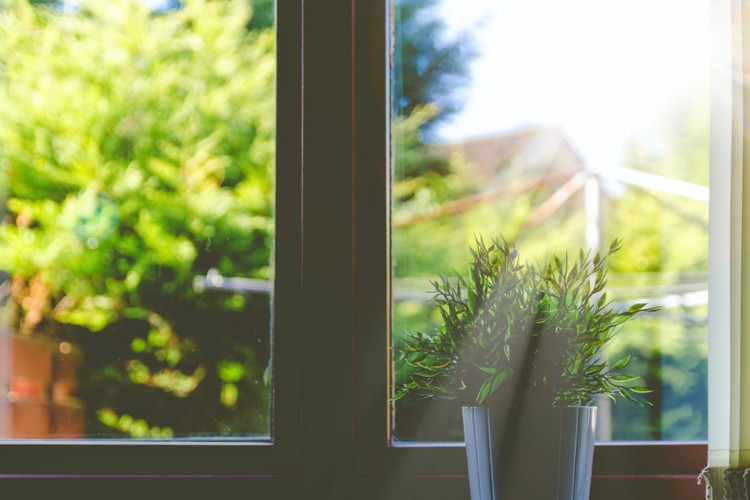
(327, 381)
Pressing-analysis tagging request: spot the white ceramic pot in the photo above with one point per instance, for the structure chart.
(529, 453)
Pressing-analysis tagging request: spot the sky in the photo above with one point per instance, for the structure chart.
(156, 5)
(601, 70)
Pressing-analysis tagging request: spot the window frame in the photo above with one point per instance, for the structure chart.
(277, 458)
(331, 305)
(621, 469)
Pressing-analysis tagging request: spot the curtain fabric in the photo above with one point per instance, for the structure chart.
(735, 484)
(727, 475)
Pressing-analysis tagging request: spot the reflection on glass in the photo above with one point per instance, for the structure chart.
(557, 126)
(136, 192)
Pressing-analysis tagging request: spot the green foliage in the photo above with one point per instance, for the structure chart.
(423, 178)
(516, 334)
(136, 152)
(433, 65)
(263, 14)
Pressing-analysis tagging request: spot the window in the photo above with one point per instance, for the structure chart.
(557, 133)
(138, 153)
(251, 442)
(330, 423)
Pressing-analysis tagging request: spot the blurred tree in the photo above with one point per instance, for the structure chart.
(430, 70)
(433, 66)
(136, 152)
(263, 14)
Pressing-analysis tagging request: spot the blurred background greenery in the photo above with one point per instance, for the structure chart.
(137, 153)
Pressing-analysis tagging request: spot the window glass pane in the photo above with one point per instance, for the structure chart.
(137, 193)
(558, 126)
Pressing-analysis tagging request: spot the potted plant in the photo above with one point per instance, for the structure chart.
(520, 347)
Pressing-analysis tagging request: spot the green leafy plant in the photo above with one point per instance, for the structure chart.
(522, 334)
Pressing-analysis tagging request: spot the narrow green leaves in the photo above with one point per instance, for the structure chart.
(622, 363)
(527, 333)
(490, 385)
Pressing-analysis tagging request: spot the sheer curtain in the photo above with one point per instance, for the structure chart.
(727, 474)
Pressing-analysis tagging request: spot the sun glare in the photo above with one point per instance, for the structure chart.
(601, 70)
